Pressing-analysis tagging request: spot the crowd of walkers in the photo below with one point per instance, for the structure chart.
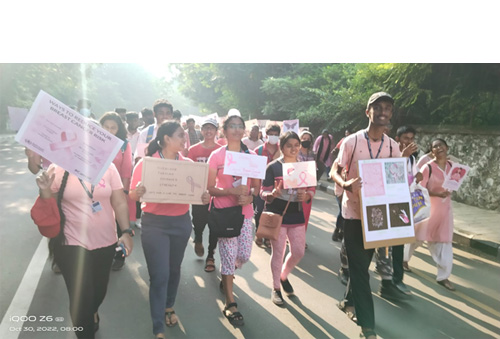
(91, 227)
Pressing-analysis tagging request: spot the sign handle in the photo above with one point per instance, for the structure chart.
(244, 180)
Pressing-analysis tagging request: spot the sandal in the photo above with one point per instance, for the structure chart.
(350, 314)
(210, 265)
(406, 268)
(258, 241)
(235, 318)
(267, 243)
(168, 316)
(447, 284)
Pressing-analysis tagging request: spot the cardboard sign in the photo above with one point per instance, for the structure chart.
(173, 181)
(291, 125)
(386, 205)
(17, 116)
(455, 177)
(68, 139)
(245, 165)
(299, 174)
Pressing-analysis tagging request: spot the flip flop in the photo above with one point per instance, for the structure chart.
(168, 315)
(210, 265)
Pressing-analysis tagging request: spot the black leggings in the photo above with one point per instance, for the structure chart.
(86, 274)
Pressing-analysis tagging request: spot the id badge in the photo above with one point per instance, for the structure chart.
(96, 207)
(237, 183)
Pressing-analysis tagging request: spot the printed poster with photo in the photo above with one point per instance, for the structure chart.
(455, 177)
(386, 213)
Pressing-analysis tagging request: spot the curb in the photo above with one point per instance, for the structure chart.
(461, 237)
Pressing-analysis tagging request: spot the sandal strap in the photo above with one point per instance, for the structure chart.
(231, 305)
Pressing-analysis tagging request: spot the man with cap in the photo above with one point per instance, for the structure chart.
(323, 148)
(200, 153)
(370, 143)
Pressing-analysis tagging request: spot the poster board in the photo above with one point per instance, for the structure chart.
(299, 174)
(291, 125)
(455, 177)
(386, 212)
(68, 139)
(173, 181)
(245, 165)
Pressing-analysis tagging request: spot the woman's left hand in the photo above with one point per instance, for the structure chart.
(128, 242)
(244, 200)
(205, 198)
(301, 194)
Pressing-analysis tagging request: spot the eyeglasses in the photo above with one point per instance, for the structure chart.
(236, 126)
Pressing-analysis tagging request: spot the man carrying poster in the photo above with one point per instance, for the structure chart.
(370, 143)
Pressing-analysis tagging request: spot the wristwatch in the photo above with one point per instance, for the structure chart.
(129, 231)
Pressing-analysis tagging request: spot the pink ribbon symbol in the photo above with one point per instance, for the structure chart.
(303, 177)
(102, 183)
(67, 141)
(190, 181)
(230, 160)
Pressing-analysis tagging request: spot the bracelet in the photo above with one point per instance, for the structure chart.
(129, 231)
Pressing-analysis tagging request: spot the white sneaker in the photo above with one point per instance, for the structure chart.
(277, 298)
(138, 223)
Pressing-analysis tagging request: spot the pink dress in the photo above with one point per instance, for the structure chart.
(439, 226)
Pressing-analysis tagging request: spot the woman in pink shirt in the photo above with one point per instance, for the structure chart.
(437, 230)
(112, 123)
(165, 230)
(84, 239)
(228, 191)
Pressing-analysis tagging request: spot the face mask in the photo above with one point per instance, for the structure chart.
(306, 143)
(85, 112)
(273, 139)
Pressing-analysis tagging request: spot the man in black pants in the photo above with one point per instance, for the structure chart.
(371, 143)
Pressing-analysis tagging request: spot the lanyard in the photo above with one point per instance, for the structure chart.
(161, 155)
(370, 147)
(89, 193)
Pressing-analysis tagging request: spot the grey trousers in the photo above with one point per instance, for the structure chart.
(164, 241)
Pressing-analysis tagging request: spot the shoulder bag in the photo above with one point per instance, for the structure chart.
(270, 224)
(225, 222)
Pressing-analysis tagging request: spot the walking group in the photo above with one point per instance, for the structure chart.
(91, 227)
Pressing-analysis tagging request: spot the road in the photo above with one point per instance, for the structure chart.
(31, 291)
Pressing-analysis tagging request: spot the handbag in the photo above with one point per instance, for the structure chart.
(270, 224)
(225, 222)
(421, 202)
(45, 214)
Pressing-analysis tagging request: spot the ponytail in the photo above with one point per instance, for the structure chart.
(153, 147)
(244, 147)
(60, 239)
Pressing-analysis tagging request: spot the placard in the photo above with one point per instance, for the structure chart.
(68, 139)
(455, 177)
(17, 116)
(291, 125)
(245, 165)
(386, 206)
(299, 174)
(173, 181)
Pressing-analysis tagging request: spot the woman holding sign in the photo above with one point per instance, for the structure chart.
(228, 191)
(293, 226)
(437, 230)
(165, 230)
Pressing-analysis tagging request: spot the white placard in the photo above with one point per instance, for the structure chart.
(386, 206)
(245, 165)
(455, 177)
(68, 139)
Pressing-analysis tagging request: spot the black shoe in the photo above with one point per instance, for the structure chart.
(117, 264)
(343, 276)
(390, 291)
(287, 287)
(337, 235)
(277, 298)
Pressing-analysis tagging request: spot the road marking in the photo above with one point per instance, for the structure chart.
(461, 295)
(24, 295)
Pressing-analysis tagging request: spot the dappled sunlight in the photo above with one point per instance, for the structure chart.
(199, 281)
(143, 286)
(21, 206)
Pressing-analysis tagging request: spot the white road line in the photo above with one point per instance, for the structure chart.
(24, 295)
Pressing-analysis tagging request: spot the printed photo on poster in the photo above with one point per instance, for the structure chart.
(456, 177)
(377, 217)
(399, 214)
(394, 172)
(373, 180)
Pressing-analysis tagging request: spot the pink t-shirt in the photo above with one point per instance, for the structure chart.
(350, 201)
(198, 152)
(172, 210)
(123, 162)
(83, 227)
(216, 161)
